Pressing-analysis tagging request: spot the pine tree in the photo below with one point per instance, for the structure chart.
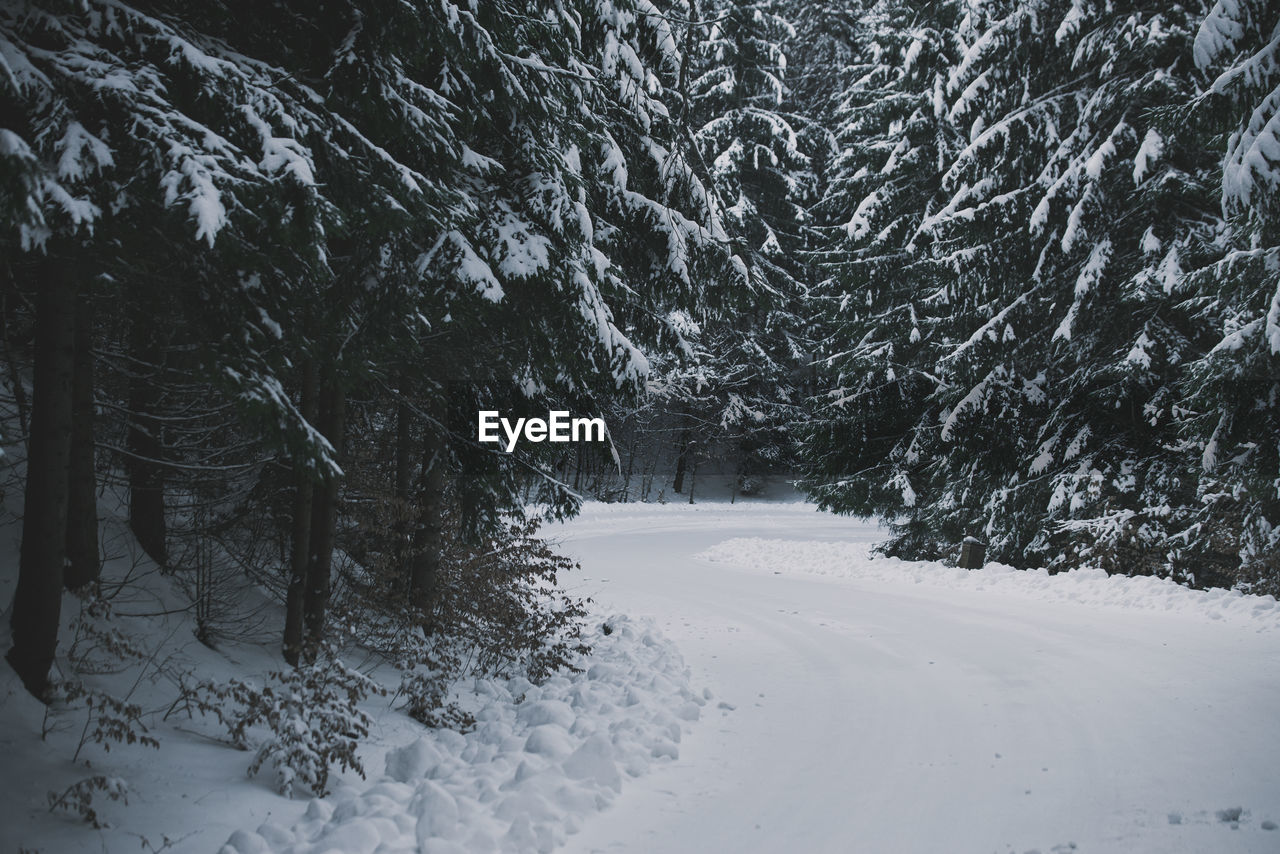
(732, 390)
(1027, 351)
(890, 134)
(1233, 391)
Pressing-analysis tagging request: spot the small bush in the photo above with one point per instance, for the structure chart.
(97, 646)
(496, 610)
(108, 719)
(312, 716)
(100, 648)
(78, 797)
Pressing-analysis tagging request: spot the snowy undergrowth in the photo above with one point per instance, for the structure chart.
(540, 758)
(855, 561)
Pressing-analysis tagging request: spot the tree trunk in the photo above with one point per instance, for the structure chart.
(83, 562)
(682, 461)
(37, 602)
(15, 376)
(324, 516)
(304, 490)
(404, 442)
(145, 445)
(428, 533)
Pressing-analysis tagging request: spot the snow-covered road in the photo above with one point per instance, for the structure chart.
(872, 714)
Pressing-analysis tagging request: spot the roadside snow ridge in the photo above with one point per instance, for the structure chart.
(540, 758)
(854, 561)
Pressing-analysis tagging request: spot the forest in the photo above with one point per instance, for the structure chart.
(984, 268)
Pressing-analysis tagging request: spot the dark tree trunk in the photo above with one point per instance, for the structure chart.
(324, 516)
(83, 562)
(15, 376)
(428, 533)
(145, 444)
(682, 461)
(37, 602)
(304, 490)
(404, 443)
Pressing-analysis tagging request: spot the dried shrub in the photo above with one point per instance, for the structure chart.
(496, 609)
(97, 646)
(100, 648)
(78, 797)
(109, 719)
(311, 715)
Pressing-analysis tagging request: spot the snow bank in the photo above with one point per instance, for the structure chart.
(539, 759)
(1086, 586)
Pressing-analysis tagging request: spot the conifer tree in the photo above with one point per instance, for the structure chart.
(1233, 390)
(1034, 332)
(734, 385)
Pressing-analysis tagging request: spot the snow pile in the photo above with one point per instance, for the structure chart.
(539, 759)
(1086, 586)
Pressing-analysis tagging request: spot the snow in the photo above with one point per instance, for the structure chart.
(473, 269)
(1090, 275)
(1273, 323)
(911, 55)
(1218, 33)
(859, 224)
(1148, 155)
(281, 154)
(1150, 242)
(1094, 267)
(81, 153)
(1093, 587)
(1070, 23)
(1045, 458)
(881, 705)
(775, 686)
(1098, 160)
(539, 760)
(1169, 271)
(1138, 354)
(196, 171)
(975, 397)
(523, 251)
(1073, 229)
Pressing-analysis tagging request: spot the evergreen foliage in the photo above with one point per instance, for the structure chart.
(1021, 224)
(1233, 387)
(1012, 264)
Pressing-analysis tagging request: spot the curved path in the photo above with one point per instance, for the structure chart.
(897, 718)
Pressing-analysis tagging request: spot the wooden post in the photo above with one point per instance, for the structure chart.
(973, 553)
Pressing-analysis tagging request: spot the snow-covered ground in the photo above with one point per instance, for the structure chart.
(539, 760)
(881, 706)
(771, 688)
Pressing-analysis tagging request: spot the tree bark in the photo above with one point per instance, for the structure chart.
(304, 491)
(83, 561)
(404, 442)
(145, 445)
(682, 461)
(37, 601)
(15, 376)
(428, 534)
(324, 516)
